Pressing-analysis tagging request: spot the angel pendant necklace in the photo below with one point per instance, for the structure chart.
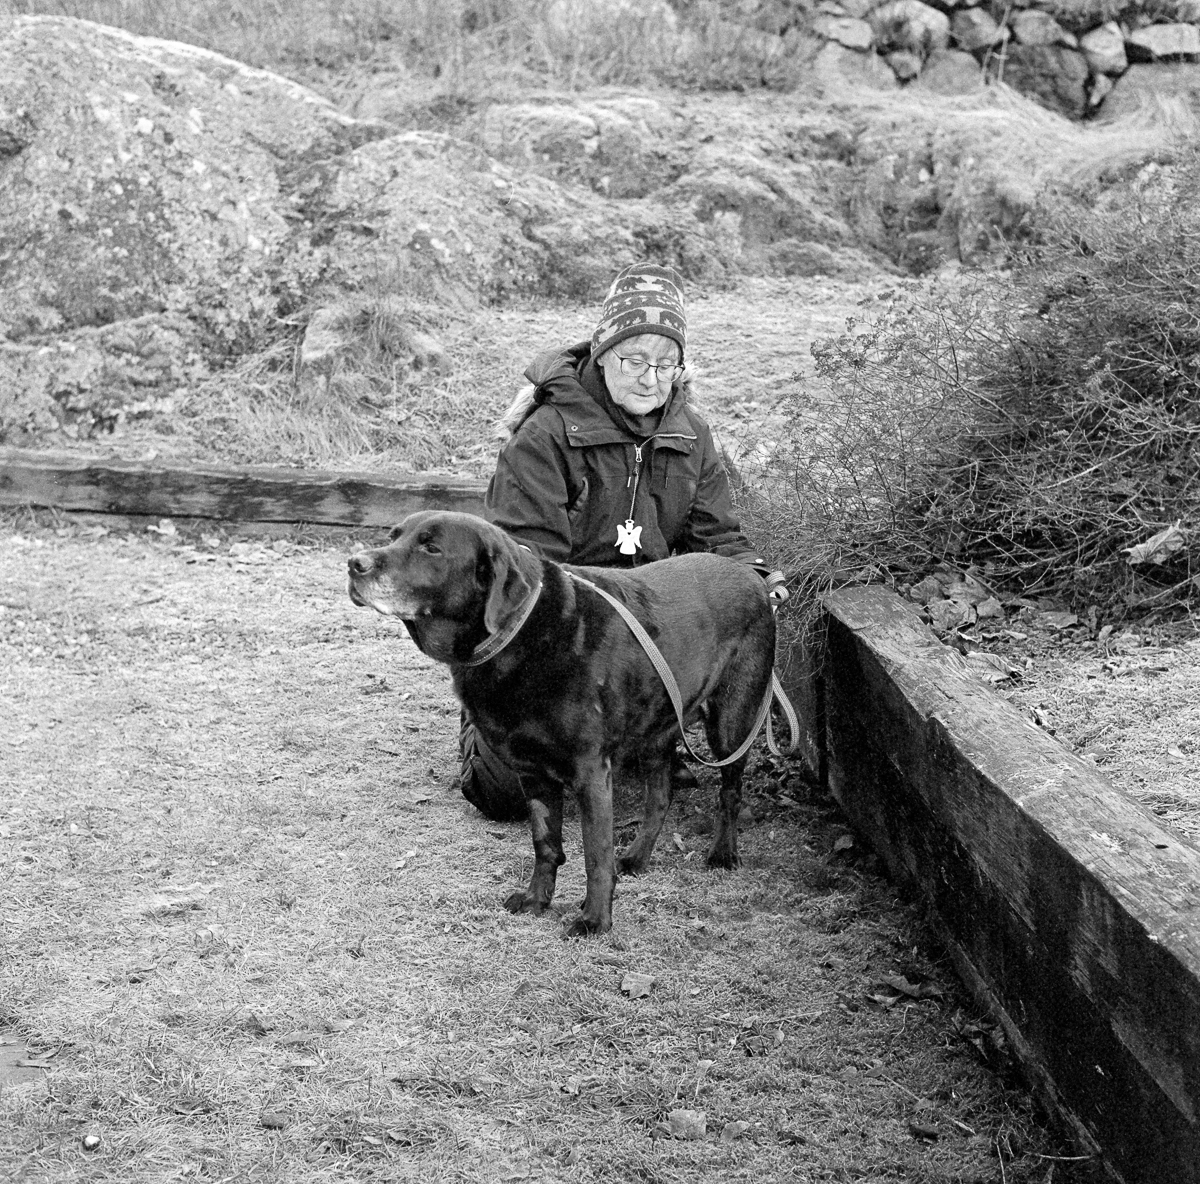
(629, 536)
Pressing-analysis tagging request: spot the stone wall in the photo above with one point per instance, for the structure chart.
(1083, 60)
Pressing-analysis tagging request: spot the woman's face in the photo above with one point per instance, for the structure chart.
(647, 392)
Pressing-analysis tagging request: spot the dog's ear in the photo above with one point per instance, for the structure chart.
(507, 583)
(400, 526)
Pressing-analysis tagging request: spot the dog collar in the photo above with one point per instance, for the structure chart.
(486, 650)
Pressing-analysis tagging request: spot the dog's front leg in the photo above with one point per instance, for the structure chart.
(724, 851)
(596, 809)
(657, 791)
(545, 821)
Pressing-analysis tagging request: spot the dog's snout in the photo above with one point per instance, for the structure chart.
(362, 563)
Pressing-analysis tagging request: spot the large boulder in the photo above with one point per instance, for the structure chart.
(1154, 42)
(1034, 27)
(849, 31)
(1145, 85)
(143, 176)
(975, 28)
(834, 67)
(1053, 74)
(910, 25)
(98, 378)
(951, 72)
(623, 146)
(1104, 49)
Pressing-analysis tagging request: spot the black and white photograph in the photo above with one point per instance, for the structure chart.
(599, 591)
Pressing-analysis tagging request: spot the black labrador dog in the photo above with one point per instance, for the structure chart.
(552, 676)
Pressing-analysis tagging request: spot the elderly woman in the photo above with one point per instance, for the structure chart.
(607, 464)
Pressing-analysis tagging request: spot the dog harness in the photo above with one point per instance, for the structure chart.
(672, 688)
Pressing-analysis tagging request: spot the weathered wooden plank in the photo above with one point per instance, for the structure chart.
(170, 489)
(1067, 906)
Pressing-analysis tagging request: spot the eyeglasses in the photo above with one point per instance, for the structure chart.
(636, 367)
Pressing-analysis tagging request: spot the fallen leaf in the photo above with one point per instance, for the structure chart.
(884, 1001)
(273, 1120)
(991, 667)
(33, 1063)
(919, 1130)
(688, 1124)
(968, 591)
(677, 839)
(989, 610)
(1158, 548)
(637, 985)
(926, 590)
(926, 989)
(301, 1037)
(733, 1130)
(792, 1138)
(189, 1105)
(1057, 620)
(843, 843)
(947, 615)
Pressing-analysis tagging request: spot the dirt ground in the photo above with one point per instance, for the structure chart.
(1126, 702)
(253, 932)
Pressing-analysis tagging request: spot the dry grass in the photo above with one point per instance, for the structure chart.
(466, 49)
(371, 418)
(239, 880)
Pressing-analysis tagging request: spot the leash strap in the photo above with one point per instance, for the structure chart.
(672, 688)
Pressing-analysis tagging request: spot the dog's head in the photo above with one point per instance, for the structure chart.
(451, 578)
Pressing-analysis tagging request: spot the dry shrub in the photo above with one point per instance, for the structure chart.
(1032, 427)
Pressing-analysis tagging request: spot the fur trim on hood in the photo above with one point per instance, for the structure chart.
(527, 401)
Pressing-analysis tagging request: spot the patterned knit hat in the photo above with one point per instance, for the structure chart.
(644, 298)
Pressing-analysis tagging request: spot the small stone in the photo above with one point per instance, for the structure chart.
(91, 1142)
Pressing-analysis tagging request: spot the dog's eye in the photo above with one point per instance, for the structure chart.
(426, 543)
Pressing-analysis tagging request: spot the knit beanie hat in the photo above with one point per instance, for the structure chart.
(644, 298)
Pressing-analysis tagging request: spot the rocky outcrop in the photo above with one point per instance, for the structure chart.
(164, 210)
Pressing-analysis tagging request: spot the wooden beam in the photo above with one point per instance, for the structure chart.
(1067, 907)
(170, 489)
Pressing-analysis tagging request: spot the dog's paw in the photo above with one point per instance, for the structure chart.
(723, 857)
(522, 902)
(582, 927)
(632, 864)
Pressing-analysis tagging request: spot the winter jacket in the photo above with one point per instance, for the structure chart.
(574, 472)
